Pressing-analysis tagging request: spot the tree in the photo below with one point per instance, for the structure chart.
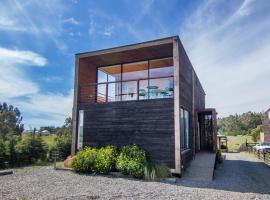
(10, 120)
(255, 133)
(239, 124)
(63, 139)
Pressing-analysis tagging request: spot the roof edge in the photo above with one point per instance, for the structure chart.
(125, 46)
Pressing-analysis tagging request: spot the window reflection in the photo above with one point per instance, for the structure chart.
(160, 88)
(161, 67)
(114, 93)
(140, 80)
(101, 93)
(134, 71)
(143, 89)
(129, 90)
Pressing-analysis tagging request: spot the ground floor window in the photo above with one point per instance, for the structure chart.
(80, 130)
(184, 129)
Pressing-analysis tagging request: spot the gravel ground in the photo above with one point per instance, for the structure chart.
(239, 177)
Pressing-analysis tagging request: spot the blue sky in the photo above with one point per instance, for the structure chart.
(228, 42)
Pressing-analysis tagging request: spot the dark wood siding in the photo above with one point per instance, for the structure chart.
(266, 125)
(147, 123)
(186, 99)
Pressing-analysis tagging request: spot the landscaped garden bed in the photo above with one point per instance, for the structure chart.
(129, 161)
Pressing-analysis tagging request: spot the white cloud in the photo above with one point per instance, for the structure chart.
(13, 80)
(46, 109)
(231, 55)
(108, 31)
(45, 25)
(11, 57)
(8, 24)
(72, 21)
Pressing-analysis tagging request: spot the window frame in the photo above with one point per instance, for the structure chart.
(185, 128)
(138, 80)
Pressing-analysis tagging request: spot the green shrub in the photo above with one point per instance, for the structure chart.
(131, 161)
(156, 171)
(104, 159)
(218, 156)
(63, 144)
(2, 154)
(10, 146)
(83, 161)
(31, 149)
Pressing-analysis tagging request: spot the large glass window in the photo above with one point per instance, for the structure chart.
(135, 71)
(184, 129)
(160, 87)
(80, 130)
(129, 90)
(136, 81)
(161, 67)
(109, 77)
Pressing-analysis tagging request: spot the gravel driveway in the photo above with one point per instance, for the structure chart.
(239, 177)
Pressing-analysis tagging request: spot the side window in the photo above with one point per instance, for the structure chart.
(184, 129)
(80, 130)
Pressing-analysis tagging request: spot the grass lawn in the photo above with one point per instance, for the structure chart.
(49, 139)
(235, 141)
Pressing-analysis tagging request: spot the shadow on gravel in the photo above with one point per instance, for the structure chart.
(236, 176)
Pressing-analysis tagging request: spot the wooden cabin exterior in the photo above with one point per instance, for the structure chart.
(146, 94)
(265, 137)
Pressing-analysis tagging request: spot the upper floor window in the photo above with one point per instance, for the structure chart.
(136, 81)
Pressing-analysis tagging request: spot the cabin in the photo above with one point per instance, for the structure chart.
(265, 136)
(146, 94)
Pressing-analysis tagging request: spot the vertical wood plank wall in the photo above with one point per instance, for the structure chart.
(192, 99)
(147, 123)
(177, 106)
(266, 126)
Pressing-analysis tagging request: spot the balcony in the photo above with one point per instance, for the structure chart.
(129, 90)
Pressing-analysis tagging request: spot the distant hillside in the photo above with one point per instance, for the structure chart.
(239, 124)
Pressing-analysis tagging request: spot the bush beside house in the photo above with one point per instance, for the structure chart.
(130, 160)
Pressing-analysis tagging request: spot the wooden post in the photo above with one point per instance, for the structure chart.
(177, 138)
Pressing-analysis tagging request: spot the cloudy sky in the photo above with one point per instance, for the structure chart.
(228, 42)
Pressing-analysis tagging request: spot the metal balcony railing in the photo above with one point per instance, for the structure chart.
(125, 90)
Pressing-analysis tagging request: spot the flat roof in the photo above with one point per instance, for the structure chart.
(129, 46)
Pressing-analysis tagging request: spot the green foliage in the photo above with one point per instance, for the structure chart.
(83, 160)
(131, 161)
(10, 120)
(63, 145)
(239, 124)
(11, 153)
(31, 149)
(218, 156)
(105, 159)
(63, 139)
(2, 154)
(101, 160)
(62, 142)
(255, 133)
(156, 171)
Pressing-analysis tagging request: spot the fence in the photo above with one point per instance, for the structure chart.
(263, 154)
